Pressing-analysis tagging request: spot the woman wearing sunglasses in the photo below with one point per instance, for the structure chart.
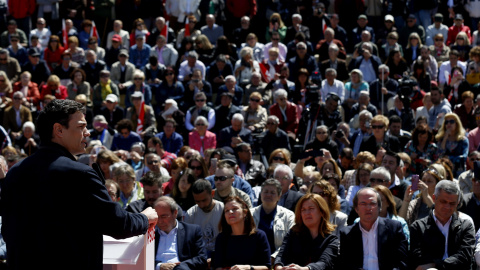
(380, 140)
(182, 189)
(255, 115)
(453, 143)
(200, 138)
(421, 149)
(421, 205)
(197, 164)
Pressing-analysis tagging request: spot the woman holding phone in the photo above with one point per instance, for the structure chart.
(421, 149)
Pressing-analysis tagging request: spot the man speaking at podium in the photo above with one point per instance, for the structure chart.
(55, 209)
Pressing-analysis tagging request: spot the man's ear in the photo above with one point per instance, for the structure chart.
(57, 130)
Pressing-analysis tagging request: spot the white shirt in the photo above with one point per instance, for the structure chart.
(281, 48)
(446, 67)
(43, 36)
(444, 229)
(167, 247)
(338, 88)
(368, 72)
(370, 243)
(185, 69)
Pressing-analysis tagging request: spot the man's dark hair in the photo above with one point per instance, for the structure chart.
(240, 146)
(57, 111)
(455, 52)
(347, 152)
(156, 141)
(393, 154)
(299, 37)
(394, 119)
(202, 185)
(152, 178)
(170, 120)
(124, 124)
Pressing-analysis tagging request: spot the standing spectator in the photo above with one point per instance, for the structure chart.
(456, 28)
(21, 12)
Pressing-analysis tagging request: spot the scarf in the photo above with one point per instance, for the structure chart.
(106, 89)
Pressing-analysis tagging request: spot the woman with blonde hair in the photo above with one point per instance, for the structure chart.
(310, 243)
(54, 88)
(462, 45)
(78, 54)
(412, 51)
(254, 114)
(453, 143)
(329, 194)
(276, 25)
(362, 179)
(204, 49)
(6, 90)
(380, 140)
(349, 178)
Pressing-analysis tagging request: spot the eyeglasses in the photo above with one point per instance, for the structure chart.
(2, 80)
(321, 132)
(15, 98)
(198, 168)
(169, 74)
(255, 100)
(377, 180)
(138, 79)
(200, 100)
(378, 126)
(275, 39)
(270, 123)
(278, 159)
(151, 162)
(438, 39)
(301, 48)
(221, 178)
(122, 55)
(281, 99)
(14, 40)
(451, 121)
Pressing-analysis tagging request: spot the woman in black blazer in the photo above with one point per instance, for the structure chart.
(380, 139)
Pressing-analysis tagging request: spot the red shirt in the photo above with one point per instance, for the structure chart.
(167, 159)
(453, 32)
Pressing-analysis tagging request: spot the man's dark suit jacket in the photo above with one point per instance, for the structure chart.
(118, 114)
(291, 32)
(427, 244)
(190, 247)
(375, 60)
(93, 73)
(470, 207)
(272, 141)
(225, 136)
(392, 246)
(292, 199)
(40, 73)
(69, 219)
(389, 143)
(342, 72)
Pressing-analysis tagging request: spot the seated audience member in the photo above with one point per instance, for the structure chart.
(197, 163)
(384, 86)
(152, 163)
(353, 89)
(466, 111)
(169, 88)
(122, 71)
(113, 189)
(290, 197)
(37, 67)
(122, 34)
(301, 60)
(274, 138)
(16, 115)
(53, 87)
(362, 179)
(142, 116)
(125, 137)
(192, 255)
(171, 140)
(421, 149)
(79, 86)
(236, 133)
(92, 67)
(140, 86)
(466, 179)
(311, 242)
(111, 54)
(405, 114)
(331, 85)
(397, 64)
(251, 169)
(194, 86)
(182, 189)
(186, 67)
(17, 51)
(239, 242)
(111, 111)
(101, 131)
(218, 71)
(152, 190)
(323, 46)
(139, 52)
(178, 165)
(297, 27)
(367, 62)
(233, 88)
(154, 72)
(161, 29)
(420, 206)
(155, 145)
(10, 65)
(329, 193)
(255, 115)
(471, 189)
(386, 142)
(272, 218)
(389, 251)
(442, 239)
(200, 138)
(65, 69)
(200, 109)
(252, 43)
(107, 161)
(458, 85)
(223, 179)
(286, 111)
(334, 62)
(323, 140)
(77, 53)
(362, 104)
(94, 46)
(226, 109)
(130, 189)
(28, 141)
(391, 44)
(453, 143)
(207, 213)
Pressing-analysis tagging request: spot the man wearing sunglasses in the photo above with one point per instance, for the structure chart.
(236, 133)
(381, 176)
(153, 163)
(224, 177)
(466, 179)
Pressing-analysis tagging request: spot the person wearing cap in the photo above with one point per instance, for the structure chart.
(12, 29)
(226, 109)
(10, 65)
(166, 53)
(139, 52)
(389, 27)
(443, 239)
(134, 112)
(436, 28)
(123, 37)
(111, 54)
(111, 111)
(356, 34)
(101, 131)
(456, 28)
(122, 71)
(411, 27)
(42, 32)
(38, 68)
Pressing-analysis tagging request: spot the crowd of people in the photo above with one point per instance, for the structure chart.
(266, 134)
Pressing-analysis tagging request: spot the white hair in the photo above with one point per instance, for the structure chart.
(237, 117)
(296, 15)
(230, 77)
(280, 93)
(283, 168)
(30, 125)
(383, 172)
(201, 119)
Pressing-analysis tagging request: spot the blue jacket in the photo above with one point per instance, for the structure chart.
(237, 99)
(139, 58)
(172, 144)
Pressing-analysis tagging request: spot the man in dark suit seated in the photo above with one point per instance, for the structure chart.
(274, 137)
(322, 46)
(332, 61)
(226, 110)
(234, 134)
(470, 205)
(38, 68)
(111, 111)
(177, 244)
(442, 240)
(283, 173)
(374, 242)
(297, 27)
(92, 68)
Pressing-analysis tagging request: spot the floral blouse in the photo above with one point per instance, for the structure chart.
(431, 154)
